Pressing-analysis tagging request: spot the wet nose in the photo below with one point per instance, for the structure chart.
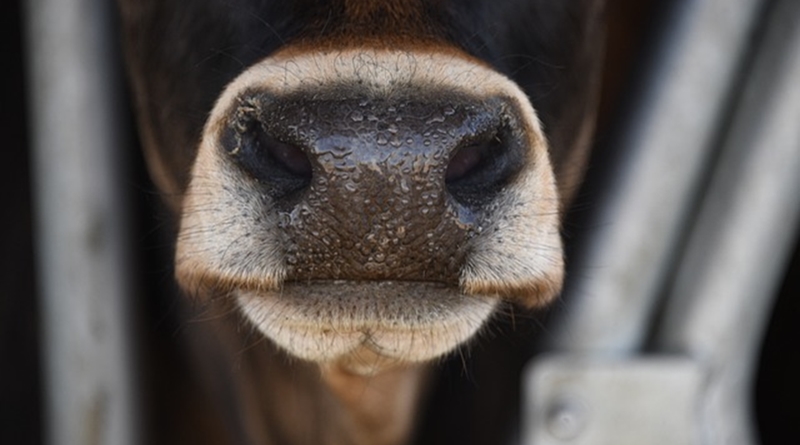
(376, 188)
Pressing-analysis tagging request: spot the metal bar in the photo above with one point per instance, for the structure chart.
(81, 230)
(695, 387)
(665, 150)
(719, 307)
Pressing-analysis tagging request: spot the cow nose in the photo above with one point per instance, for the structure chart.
(376, 188)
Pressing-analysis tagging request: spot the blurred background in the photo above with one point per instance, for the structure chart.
(733, 62)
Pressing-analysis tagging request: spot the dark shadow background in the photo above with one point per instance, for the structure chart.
(776, 389)
(20, 375)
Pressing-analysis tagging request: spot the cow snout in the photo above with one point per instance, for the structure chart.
(371, 200)
(375, 188)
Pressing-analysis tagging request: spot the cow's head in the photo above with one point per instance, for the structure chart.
(368, 186)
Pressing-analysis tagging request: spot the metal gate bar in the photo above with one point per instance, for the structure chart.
(693, 386)
(81, 223)
(664, 154)
(719, 307)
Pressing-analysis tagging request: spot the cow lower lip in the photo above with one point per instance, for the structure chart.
(327, 320)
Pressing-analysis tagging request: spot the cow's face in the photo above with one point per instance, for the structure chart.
(368, 200)
(369, 191)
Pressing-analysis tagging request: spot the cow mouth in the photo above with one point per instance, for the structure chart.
(369, 323)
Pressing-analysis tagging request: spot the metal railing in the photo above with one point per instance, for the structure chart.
(660, 341)
(661, 332)
(81, 230)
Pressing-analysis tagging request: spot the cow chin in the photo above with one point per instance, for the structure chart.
(371, 207)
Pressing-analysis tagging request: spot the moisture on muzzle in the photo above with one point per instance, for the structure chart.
(372, 188)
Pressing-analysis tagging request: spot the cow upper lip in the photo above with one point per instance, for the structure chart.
(391, 282)
(410, 321)
(358, 304)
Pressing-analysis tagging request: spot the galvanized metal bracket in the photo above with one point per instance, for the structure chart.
(575, 400)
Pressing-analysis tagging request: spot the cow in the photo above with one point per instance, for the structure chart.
(360, 189)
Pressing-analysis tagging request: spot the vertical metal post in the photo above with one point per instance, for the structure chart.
(719, 307)
(81, 230)
(693, 386)
(665, 150)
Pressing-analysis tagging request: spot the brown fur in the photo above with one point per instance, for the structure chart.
(508, 261)
(358, 349)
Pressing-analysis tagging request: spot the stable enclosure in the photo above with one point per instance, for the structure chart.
(676, 324)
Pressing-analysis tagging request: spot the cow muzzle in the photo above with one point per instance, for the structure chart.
(372, 207)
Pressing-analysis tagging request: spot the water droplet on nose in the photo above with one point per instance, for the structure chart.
(426, 142)
(356, 116)
(449, 111)
(381, 140)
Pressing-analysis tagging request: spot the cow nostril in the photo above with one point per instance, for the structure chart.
(283, 168)
(478, 171)
(286, 156)
(465, 161)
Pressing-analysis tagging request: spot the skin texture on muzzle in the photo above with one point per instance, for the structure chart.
(377, 249)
